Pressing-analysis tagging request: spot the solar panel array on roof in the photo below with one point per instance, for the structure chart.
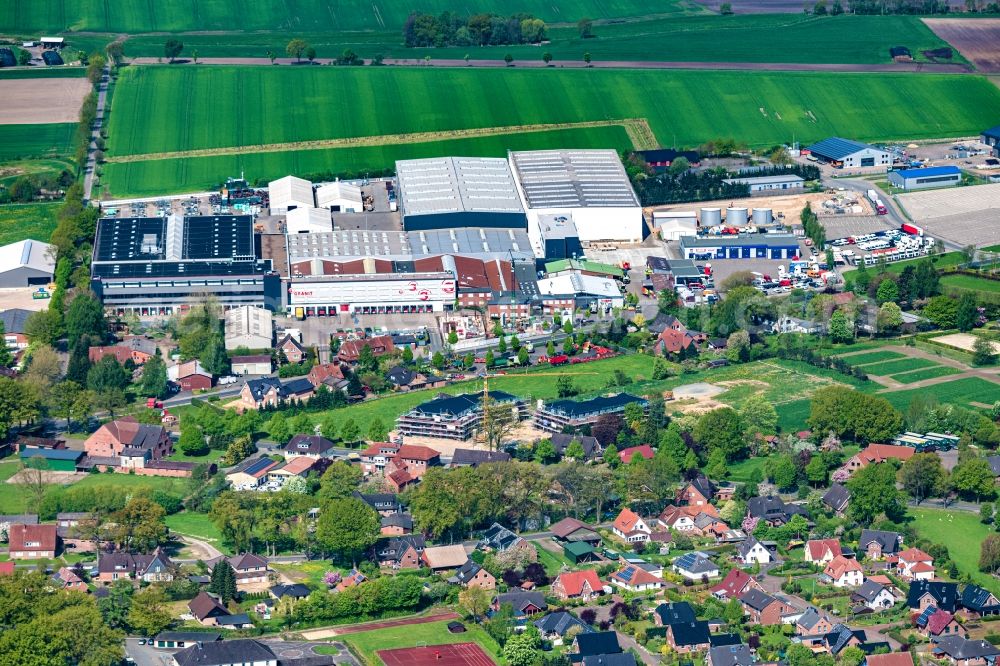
(573, 179)
(836, 148)
(260, 464)
(456, 184)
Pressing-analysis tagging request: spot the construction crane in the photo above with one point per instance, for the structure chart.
(481, 433)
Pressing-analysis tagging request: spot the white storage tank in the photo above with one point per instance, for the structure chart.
(736, 217)
(711, 217)
(762, 216)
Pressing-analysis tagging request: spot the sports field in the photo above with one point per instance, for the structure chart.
(366, 644)
(133, 16)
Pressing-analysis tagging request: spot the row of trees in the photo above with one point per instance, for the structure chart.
(674, 187)
(487, 29)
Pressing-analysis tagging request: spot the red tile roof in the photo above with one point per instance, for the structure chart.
(633, 576)
(644, 450)
(878, 453)
(734, 584)
(817, 548)
(914, 555)
(938, 621)
(892, 659)
(573, 581)
(626, 520)
(19, 535)
(414, 452)
(840, 565)
(6, 568)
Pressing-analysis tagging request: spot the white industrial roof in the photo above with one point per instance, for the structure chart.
(27, 253)
(290, 191)
(248, 320)
(307, 218)
(457, 184)
(348, 244)
(335, 193)
(573, 179)
(576, 282)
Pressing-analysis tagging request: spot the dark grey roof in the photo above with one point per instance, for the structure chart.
(598, 642)
(869, 590)
(773, 508)
(840, 636)
(403, 520)
(756, 599)
(458, 405)
(890, 541)
(379, 501)
(20, 518)
(308, 444)
(499, 538)
(521, 599)
(13, 319)
(467, 571)
(400, 376)
(674, 613)
(945, 594)
(836, 148)
(233, 620)
(978, 599)
(715, 640)
(745, 546)
(837, 497)
(731, 655)
(809, 618)
(702, 484)
(690, 633)
(617, 659)
(994, 462)
(216, 653)
(560, 622)
(594, 406)
(958, 647)
(475, 457)
(993, 132)
(590, 444)
(293, 590)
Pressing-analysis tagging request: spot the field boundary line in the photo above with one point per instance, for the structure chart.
(638, 130)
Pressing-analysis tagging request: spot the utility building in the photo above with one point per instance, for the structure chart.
(919, 179)
(748, 246)
(26, 263)
(847, 154)
(289, 193)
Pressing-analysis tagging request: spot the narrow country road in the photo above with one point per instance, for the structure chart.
(90, 170)
(203, 550)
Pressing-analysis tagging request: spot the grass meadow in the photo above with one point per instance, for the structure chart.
(901, 365)
(873, 357)
(20, 221)
(963, 392)
(941, 526)
(960, 283)
(927, 373)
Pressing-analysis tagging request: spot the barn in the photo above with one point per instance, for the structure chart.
(26, 263)
(848, 154)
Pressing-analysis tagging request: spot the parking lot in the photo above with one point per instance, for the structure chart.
(962, 215)
(840, 226)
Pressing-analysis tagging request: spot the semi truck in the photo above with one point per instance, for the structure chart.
(911, 229)
(877, 203)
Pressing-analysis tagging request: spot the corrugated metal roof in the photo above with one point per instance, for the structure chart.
(836, 148)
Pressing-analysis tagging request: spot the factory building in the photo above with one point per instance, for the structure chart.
(456, 192)
(673, 224)
(307, 219)
(158, 266)
(591, 186)
(479, 242)
(558, 415)
(249, 327)
(847, 154)
(555, 237)
(748, 246)
(366, 286)
(26, 263)
(919, 179)
(289, 193)
(768, 184)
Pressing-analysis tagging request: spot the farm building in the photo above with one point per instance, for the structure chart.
(156, 266)
(555, 237)
(557, 415)
(575, 289)
(340, 197)
(755, 246)
(844, 153)
(674, 224)
(991, 138)
(56, 460)
(455, 192)
(589, 185)
(52, 42)
(918, 179)
(289, 193)
(306, 218)
(26, 263)
(250, 327)
(768, 184)
(454, 417)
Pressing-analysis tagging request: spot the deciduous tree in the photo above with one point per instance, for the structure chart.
(347, 527)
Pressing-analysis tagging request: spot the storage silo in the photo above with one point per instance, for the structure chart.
(736, 217)
(762, 217)
(711, 217)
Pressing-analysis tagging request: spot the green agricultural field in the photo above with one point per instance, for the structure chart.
(366, 644)
(132, 16)
(892, 367)
(45, 73)
(20, 221)
(707, 38)
(20, 141)
(872, 357)
(951, 283)
(927, 373)
(963, 392)
(156, 177)
(941, 526)
(242, 107)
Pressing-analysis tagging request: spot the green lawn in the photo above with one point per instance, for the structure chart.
(960, 392)
(553, 563)
(197, 525)
(927, 373)
(792, 415)
(176, 485)
(51, 140)
(20, 221)
(941, 526)
(873, 357)
(233, 106)
(12, 496)
(946, 260)
(901, 365)
(366, 644)
(210, 457)
(969, 283)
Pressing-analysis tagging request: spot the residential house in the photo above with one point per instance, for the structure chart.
(842, 636)
(979, 602)
(874, 595)
(752, 551)
(773, 511)
(674, 341)
(675, 612)
(439, 558)
(68, 579)
(789, 324)
(271, 392)
(934, 623)
(375, 458)
(129, 440)
(695, 566)
(137, 350)
(350, 350)
(300, 467)
(735, 584)
(352, 579)
(630, 527)
(644, 450)
(183, 639)
(821, 551)
(253, 364)
(925, 593)
(584, 585)
(730, 655)
(235, 652)
(207, 609)
(878, 453)
(499, 539)
(155, 567)
(471, 574)
(555, 626)
(13, 320)
(477, 457)
(190, 375)
(960, 651)
(32, 542)
(591, 447)
(396, 524)
(878, 544)
(813, 623)
(838, 498)
(309, 446)
(593, 644)
(685, 637)
(408, 464)
(764, 609)
(915, 564)
(249, 568)
(890, 659)
(404, 379)
(330, 375)
(844, 572)
(251, 473)
(571, 529)
(292, 349)
(636, 579)
(385, 503)
(294, 591)
(698, 492)
(525, 603)
(404, 552)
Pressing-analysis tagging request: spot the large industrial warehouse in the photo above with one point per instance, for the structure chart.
(453, 192)
(590, 186)
(847, 154)
(158, 266)
(26, 263)
(748, 246)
